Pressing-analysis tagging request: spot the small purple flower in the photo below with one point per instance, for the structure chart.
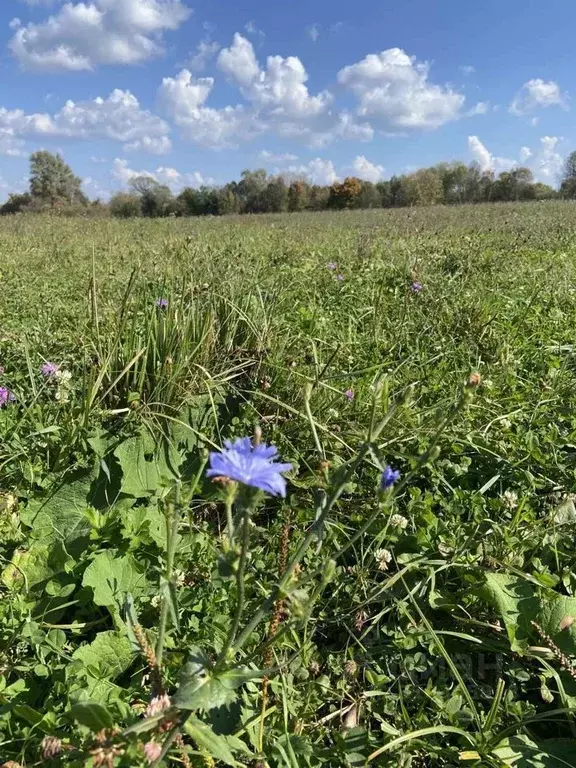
(349, 394)
(417, 287)
(339, 277)
(251, 465)
(6, 397)
(331, 266)
(162, 303)
(49, 369)
(389, 477)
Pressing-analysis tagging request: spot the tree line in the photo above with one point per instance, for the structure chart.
(55, 187)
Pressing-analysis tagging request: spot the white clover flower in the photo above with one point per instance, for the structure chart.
(383, 557)
(506, 423)
(179, 578)
(511, 499)
(399, 521)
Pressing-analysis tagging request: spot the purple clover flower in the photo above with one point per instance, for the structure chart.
(389, 477)
(416, 287)
(162, 303)
(6, 397)
(49, 369)
(339, 277)
(331, 266)
(251, 465)
(349, 394)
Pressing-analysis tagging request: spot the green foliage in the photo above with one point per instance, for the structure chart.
(116, 549)
(52, 181)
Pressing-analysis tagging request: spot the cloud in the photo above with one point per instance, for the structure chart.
(170, 177)
(366, 170)
(393, 89)
(118, 118)
(317, 171)
(251, 28)
(537, 94)
(183, 98)
(280, 87)
(467, 69)
(276, 100)
(313, 32)
(548, 162)
(485, 159)
(83, 35)
(205, 51)
(525, 154)
(270, 157)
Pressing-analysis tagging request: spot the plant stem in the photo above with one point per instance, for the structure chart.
(172, 524)
(240, 590)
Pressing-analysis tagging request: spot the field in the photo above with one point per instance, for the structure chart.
(430, 622)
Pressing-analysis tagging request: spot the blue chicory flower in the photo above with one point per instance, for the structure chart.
(162, 303)
(417, 287)
(339, 278)
(251, 465)
(389, 477)
(6, 397)
(331, 266)
(349, 394)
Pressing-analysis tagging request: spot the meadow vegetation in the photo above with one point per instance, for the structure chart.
(411, 601)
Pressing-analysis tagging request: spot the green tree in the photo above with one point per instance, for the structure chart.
(156, 200)
(298, 195)
(346, 194)
(53, 182)
(16, 203)
(568, 184)
(124, 205)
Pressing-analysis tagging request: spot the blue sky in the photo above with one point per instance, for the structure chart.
(192, 91)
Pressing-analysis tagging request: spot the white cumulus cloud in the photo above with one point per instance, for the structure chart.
(366, 170)
(537, 94)
(118, 117)
(280, 87)
(183, 97)
(485, 159)
(317, 171)
(83, 35)
(393, 88)
(170, 177)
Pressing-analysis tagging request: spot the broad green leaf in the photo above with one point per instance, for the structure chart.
(110, 652)
(514, 598)
(35, 565)
(519, 603)
(199, 688)
(112, 577)
(139, 475)
(522, 752)
(205, 738)
(93, 715)
(62, 517)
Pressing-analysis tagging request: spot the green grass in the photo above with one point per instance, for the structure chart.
(110, 532)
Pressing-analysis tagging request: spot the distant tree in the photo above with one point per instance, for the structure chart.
(156, 200)
(369, 196)
(52, 181)
(345, 195)
(228, 201)
(124, 205)
(385, 191)
(544, 191)
(250, 188)
(298, 195)
(568, 184)
(318, 197)
(274, 197)
(16, 203)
